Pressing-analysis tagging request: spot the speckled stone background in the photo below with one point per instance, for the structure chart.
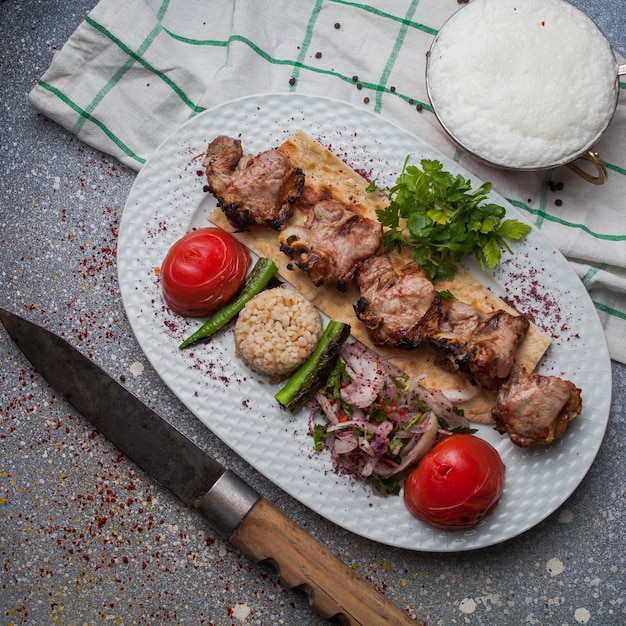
(87, 538)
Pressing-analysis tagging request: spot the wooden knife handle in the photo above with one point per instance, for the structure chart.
(334, 589)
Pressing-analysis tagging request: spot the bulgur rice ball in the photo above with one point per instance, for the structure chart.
(276, 332)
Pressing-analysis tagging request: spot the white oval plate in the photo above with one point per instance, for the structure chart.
(167, 200)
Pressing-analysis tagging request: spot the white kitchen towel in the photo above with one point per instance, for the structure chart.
(135, 70)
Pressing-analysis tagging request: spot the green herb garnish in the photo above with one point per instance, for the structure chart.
(446, 295)
(386, 486)
(319, 436)
(457, 430)
(442, 220)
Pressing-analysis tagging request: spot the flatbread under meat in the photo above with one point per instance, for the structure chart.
(327, 177)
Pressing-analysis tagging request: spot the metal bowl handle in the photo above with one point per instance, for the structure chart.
(600, 177)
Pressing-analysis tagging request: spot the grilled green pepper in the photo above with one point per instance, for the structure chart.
(263, 271)
(312, 374)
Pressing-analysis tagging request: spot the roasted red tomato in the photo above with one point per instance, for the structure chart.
(456, 484)
(203, 271)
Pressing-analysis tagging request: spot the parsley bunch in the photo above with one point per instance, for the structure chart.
(442, 220)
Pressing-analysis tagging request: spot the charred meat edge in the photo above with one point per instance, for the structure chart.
(397, 309)
(249, 189)
(486, 353)
(332, 243)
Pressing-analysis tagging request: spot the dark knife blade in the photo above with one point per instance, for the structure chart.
(231, 507)
(153, 444)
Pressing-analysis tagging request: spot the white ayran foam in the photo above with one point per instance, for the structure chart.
(522, 83)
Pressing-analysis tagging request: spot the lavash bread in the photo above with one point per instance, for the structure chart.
(327, 176)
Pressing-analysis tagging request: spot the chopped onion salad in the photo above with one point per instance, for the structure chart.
(377, 423)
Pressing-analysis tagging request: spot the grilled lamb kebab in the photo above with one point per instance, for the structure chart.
(396, 309)
(399, 308)
(481, 347)
(332, 243)
(458, 319)
(250, 189)
(535, 409)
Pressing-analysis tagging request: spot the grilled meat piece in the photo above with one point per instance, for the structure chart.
(220, 163)
(333, 242)
(249, 189)
(486, 353)
(535, 409)
(396, 309)
(458, 319)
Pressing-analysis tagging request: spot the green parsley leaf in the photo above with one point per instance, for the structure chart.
(386, 486)
(446, 295)
(319, 436)
(442, 220)
(457, 430)
(513, 229)
(463, 430)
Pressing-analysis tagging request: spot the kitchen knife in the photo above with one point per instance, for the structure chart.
(231, 507)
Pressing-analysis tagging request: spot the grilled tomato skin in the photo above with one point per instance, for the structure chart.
(202, 271)
(456, 484)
